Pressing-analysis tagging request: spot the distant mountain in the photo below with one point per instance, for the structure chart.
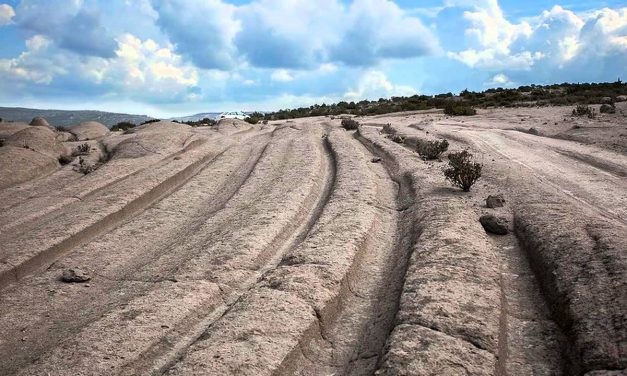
(196, 117)
(66, 118)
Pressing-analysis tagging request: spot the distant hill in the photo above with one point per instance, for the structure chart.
(66, 118)
(196, 117)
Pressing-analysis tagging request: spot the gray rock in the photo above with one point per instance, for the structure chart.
(496, 201)
(75, 276)
(494, 225)
(375, 160)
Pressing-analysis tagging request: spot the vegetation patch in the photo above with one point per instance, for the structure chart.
(65, 159)
(462, 171)
(430, 150)
(205, 122)
(150, 121)
(565, 94)
(398, 139)
(583, 110)
(123, 126)
(350, 124)
(459, 109)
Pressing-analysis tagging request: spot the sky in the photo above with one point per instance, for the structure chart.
(177, 57)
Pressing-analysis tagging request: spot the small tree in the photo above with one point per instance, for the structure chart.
(463, 171)
(431, 149)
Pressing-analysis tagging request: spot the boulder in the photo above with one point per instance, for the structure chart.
(18, 164)
(89, 130)
(621, 98)
(75, 276)
(39, 139)
(496, 201)
(494, 225)
(40, 122)
(8, 128)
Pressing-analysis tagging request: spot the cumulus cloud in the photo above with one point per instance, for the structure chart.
(374, 84)
(296, 34)
(557, 42)
(140, 69)
(6, 14)
(203, 31)
(68, 24)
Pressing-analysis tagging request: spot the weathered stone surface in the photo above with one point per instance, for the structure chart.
(495, 201)
(75, 275)
(89, 130)
(494, 225)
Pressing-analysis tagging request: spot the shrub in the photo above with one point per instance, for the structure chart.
(533, 131)
(150, 121)
(123, 126)
(83, 149)
(65, 159)
(583, 110)
(350, 124)
(398, 139)
(607, 109)
(463, 171)
(388, 129)
(60, 128)
(84, 167)
(431, 149)
(459, 109)
(254, 118)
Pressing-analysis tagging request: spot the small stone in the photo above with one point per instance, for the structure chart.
(494, 225)
(75, 276)
(496, 201)
(375, 160)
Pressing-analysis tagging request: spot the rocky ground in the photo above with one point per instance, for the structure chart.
(298, 247)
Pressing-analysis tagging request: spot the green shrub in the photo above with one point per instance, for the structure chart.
(583, 110)
(61, 128)
(84, 167)
(65, 159)
(350, 124)
(608, 109)
(459, 109)
(463, 171)
(431, 149)
(150, 121)
(83, 149)
(123, 126)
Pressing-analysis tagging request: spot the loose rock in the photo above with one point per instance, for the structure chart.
(375, 160)
(496, 201)
(75, 276)
(494, 225)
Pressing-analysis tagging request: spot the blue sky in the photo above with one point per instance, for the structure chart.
(174, 57)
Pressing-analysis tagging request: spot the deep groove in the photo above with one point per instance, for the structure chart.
(283, 246)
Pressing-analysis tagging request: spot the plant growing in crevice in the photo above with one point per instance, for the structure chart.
(65, 159)
(398, 139)
(83, 149)
(430, 150)
(84, 167)
(463, 171)
(387, 129)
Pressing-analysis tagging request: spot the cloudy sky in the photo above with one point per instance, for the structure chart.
(173, 57)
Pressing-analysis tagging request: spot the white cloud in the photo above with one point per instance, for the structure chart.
(281, 75)
(6, 14)
(374, 84)
(555, 40)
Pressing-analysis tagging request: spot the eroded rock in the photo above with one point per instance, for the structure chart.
(494, 225)
(75, 276)
(495, 201)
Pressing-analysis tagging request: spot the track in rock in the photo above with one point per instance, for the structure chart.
(173, 342)
(70, 319)
(288, 240)
(351, 342)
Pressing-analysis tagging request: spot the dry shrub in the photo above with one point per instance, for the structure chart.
(463, 171)
(350, 124)
(431, 149)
